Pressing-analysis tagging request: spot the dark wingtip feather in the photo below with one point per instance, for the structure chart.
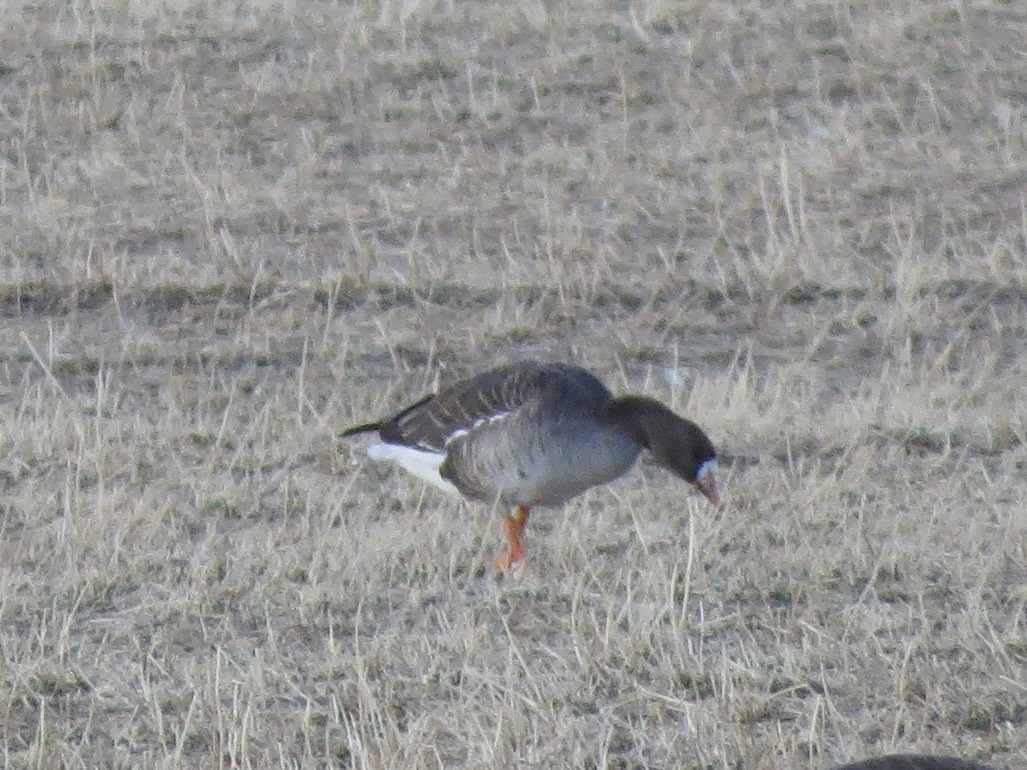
(367, 427)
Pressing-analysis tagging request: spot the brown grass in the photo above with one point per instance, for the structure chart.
(228, 230)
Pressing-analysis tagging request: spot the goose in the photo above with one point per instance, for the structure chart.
(912, 762)
(532, 434)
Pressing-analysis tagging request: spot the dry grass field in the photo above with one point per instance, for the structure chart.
(228, 230)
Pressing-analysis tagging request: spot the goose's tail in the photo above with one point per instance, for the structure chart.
(367, 427)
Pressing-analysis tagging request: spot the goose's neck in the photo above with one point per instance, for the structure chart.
(644, 419)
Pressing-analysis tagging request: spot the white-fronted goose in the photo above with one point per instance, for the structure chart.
(913, 762)
(537, 434)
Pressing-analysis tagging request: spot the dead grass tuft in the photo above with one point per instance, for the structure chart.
(227, 231)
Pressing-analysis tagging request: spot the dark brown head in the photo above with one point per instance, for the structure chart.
(674, 442)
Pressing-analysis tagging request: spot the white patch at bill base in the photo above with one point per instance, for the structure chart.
(707, 467)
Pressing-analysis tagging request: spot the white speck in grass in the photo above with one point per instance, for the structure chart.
(819, 131)
(673, 377)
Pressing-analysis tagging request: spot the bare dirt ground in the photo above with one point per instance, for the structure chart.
(228, 230)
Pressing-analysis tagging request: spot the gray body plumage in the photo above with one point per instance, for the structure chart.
(526, 434)
(536, 434)
(545, 450)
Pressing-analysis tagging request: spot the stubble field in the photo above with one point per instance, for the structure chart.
(228, 230)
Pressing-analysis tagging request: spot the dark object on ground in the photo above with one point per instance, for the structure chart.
(913, 762)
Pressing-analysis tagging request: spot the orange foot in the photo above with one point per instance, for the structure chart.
(506, 560)
(513, 527)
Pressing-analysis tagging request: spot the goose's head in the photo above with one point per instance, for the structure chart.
(677, 444)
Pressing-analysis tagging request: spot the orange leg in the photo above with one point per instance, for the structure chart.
(513, 526)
